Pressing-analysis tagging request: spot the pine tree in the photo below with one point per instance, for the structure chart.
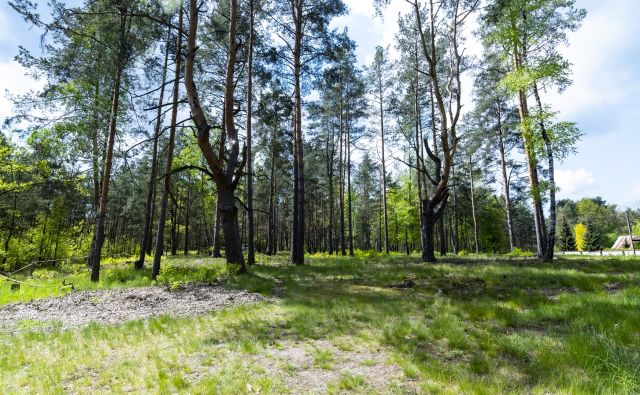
(591, 238)
(566, 240)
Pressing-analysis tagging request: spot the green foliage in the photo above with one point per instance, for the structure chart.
(591, 238)
(519, 253)
(566, 239)
(176, 275)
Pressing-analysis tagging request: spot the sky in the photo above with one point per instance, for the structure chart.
(604, 99)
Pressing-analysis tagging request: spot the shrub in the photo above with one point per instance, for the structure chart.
(175, 276)
(520, 253)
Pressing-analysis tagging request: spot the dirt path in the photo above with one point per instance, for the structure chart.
(114, 306)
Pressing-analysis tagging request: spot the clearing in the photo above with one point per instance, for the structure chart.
(367, 324)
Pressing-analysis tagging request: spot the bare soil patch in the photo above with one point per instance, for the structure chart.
(109, 307)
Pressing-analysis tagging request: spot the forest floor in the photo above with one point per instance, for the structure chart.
(367, 324)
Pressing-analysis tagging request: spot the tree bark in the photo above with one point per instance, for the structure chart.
(298, 211)
(162, 217)
(250, 225)
(226, 176)
(95, 255)
(505, 180)
(139, 264)
(187, 215)
(329, 156)
(473, 207)
(350, 208)
(384, 166)
(551, 234)
(216, 233)
(271, 237)
(341, 160)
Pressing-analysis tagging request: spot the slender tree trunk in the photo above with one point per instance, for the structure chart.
(505, 180)
(343, 246)
(250, 225)
(187, 215)
(174, 226)
(350, 208)
(162, 217)
(216, 233)
(96, 252)
(330, 154)
(298, 228)
(455, 229)
(416, 108)
(473, 207)
(271, 237)
(146, 233)
(551, 234)
(384, 167)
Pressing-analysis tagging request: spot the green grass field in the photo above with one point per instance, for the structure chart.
(472, 324)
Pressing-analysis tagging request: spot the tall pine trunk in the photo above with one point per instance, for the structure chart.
(350, 208)
(250, 225)
(148, 212)
(551, 234)
(162, 216)
(298, 221)
(95, 255)
(341, 160)
(505, 181)
(473, 207)
(384, 166)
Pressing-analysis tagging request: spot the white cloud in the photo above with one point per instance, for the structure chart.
(574, 183)
(602, 82)
(636, 191)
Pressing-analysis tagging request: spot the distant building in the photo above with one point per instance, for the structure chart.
(624, 242)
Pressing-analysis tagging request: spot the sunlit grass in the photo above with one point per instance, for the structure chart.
(467, 325)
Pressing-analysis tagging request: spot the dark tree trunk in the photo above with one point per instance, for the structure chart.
(350, 208)
(187, 215)
(148, 212)
(384, 166)
(271, 236)
(250, 225)
(551, 234)
(95, 255)
(343, 246)
(297, 250)
(216, 233)
(431, 216)
(230, 228)
(505, 180)
(473, 208)
(456, 234)
(330, 154)
(162, 217)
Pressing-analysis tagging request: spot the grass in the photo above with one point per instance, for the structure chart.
(473, 324)
(114, 273)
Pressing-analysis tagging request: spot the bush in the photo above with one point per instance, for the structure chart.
(175, 276)
(519, 253)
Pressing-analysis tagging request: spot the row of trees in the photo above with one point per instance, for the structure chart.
(193, 123)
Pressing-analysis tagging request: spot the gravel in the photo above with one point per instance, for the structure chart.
(109, 307)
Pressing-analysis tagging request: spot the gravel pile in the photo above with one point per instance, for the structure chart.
(110, 307)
